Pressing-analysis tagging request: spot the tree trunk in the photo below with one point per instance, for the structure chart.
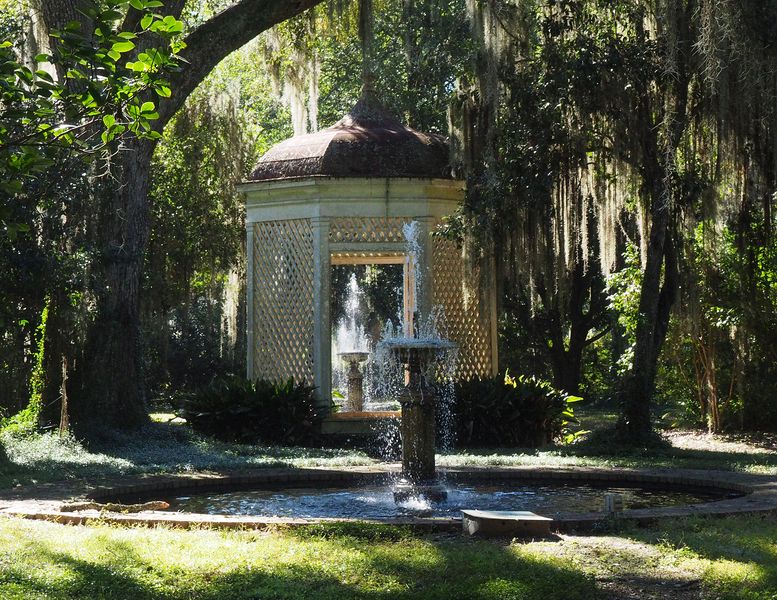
(567, 355)
(655, 306)
(55, 349)
(660, 277)
(108, 388)
(111, 388)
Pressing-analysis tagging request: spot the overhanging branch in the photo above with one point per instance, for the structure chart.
(224, 33)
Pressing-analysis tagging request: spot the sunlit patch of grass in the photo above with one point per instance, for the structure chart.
(726, 559)
(717, 454)
(736, 556)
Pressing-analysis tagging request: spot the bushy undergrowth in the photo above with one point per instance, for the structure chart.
(235, 409)
(505, 411)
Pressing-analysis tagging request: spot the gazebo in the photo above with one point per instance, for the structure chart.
(342, 196)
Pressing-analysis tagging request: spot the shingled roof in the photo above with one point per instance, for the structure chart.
(367, 142)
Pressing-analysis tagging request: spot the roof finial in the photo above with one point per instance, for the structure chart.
(368, 83)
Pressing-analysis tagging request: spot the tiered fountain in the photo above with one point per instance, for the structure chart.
(351, 344)
(419, 350)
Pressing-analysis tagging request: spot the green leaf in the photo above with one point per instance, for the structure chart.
(146, 21)
(124, 46)
(110, 15)
(11, 187)
(44, 75)
(138, 4)
(109, 120)
(163, 91)
(147, 107)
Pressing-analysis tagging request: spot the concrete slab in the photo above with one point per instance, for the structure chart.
(505, 522)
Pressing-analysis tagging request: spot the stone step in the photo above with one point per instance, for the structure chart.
(520, 523)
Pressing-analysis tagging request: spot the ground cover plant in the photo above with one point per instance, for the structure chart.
(45, 561)
(168, 446)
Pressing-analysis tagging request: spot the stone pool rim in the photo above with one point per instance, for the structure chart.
(44, 501)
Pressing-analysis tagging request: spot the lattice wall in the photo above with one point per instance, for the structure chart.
(283, 300)
(367, 229)
(467, 320)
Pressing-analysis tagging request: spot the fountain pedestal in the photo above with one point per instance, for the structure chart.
(417, 427)
(418, 422)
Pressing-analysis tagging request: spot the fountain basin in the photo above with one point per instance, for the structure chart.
(365, 423)
(571, 499)
(381, 501)
(422, 349)
(757, 495)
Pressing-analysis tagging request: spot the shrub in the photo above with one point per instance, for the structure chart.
(235, 409)
(506, 411)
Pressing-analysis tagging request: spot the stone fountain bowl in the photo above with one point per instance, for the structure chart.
(350, 357)
(425, 349)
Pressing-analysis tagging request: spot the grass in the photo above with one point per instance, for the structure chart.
(166, 446)
(161, 447)
(42, 560)
(728, 559)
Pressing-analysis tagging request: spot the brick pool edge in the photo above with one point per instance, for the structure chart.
(45, 501)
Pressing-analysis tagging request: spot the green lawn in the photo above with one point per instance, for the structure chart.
(733, 558)
(727, 559)
(42, 560)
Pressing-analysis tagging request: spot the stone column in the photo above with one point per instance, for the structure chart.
(322, 330)
(250, 301)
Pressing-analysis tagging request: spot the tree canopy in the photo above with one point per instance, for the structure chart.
(619, 156)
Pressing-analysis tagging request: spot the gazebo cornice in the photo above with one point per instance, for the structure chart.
(331, 197)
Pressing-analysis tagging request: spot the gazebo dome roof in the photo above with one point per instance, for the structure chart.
(367, 142)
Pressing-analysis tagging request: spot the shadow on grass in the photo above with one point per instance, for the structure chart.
(743, 551)
(351, 568)
(666, 455)
(158, 447)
